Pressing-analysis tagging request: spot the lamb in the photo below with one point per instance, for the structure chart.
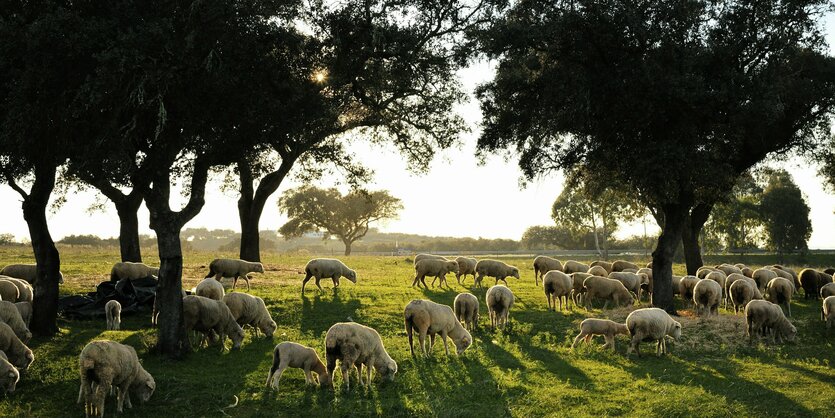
(322, 268)
(741, 292)
(558, 286)
(651, 324)
(205, 315)
(499, 301)
(764, 276)
(131, 271)
(434, 268)
(812, 280)
(605, 264)
(250, 310)
(706, 297)
(227, 267)
(572, 266)
(9, 375)
(543, 264)
(610, 290)
(290, 354)
(466, 310)
(25, 309)
(355, 344)
(598, 271)
(827, 290)
(113, 311)
(104, 364)
(432, 318)
(465, 266)
(494, 268)
(428, 257)
(780, 291)
(8, 291)
(11, 316)
(828, 312)
(763, 316)
(621, 265)
(608, 329)
(729, 269)
(25, 290)
(577, 286)
(27, 272)
(18, 353)
(210, 288)
(686, 286)
(631, 281)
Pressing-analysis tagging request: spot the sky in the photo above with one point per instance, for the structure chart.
(457, 197)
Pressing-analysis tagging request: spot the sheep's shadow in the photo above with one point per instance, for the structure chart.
(319, 313)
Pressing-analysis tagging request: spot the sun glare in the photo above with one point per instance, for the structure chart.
(320, 76)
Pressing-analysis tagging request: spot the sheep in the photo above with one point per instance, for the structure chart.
(605, 264)
(131, 271)
(494, 268)
(499, 301)
(322, 268)
(649, 265)
(432, 318)
(675, 281)
(18, 353)
(227, 267)
(434, 268)
(210, 288)
(113, 311)
(27, 272)
(205, 315)
(812, 280)
(780, 291)
(558, 286)
(729, 269)
(11, 316)
(25, 310)
(610, 290)
(9, 375)
(8, 291)
(465, 266)
(704, 271)
(250, 310)
(597, 271)
(829, 270)
(828, 312)
(827, 290)
(466, 310)
(763, 277)
(25, 290)
(428, 257)
(572, 266)
(795, 278)
(355, 344)
(631, 281)
(543, 264)
(577, 286)
(104, 364)
(686, 286)
(290, 354)
(608, 329)
(620, 265)
(717, 276)
(727, 286)
(743, 291)
(706, 297)
(747, 272)
(763, 316)
(629, 270)
(651, 324)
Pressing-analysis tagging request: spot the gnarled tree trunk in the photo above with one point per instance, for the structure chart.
(675, 217)
(690, 236)
(129, 228)
(252, 201)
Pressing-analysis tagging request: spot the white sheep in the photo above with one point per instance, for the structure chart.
(432, 318)
(466, 310)
(8, 291)
(764, 317)
(729, 269)
(290, 354)
(499, 301)
(250, 310)
(428, 257)
(227, 267)
(11, 316)
(828, 312)
(18, 353)
(9, 375)
(686, 286)
(780, 291)
(742, 291)
(608, 329)
(494, 268)
(106, 364)
(433, 268)
(210, 288)
(632, 281)
(703, 271)
(25, 309)
(620, 265)
(131, 271)
(572, 266)
(651, 324)
(543, 264)
(610, 290)
(597, 271)
(27, 272)
(465, 266)
(357, 345)
(113, 312)
(323, 268)
(25, 290)
(607, 265)
(205, 315)
(558, 286)
(827, 290)
(763, 276)
(578, 290)
(707, 295)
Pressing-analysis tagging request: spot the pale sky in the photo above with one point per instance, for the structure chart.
(456, 198)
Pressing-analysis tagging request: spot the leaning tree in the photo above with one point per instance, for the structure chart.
(673, 99)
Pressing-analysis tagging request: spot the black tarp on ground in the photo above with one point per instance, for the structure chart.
(134, 295)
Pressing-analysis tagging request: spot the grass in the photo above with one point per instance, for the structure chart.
(526, 371)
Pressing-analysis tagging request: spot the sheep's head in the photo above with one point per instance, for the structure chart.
(268, 327)
(352, 276)
(452, 266)
(259, 268)
(326, 381)
(9, 379)
(464, 342)
(144, 386)
(388, 370)
(27, 336)
(676, 330)
(514, 272)
(791, 332)
(28, 358)
(237, 337)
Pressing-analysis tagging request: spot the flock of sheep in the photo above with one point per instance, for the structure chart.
(106, 367)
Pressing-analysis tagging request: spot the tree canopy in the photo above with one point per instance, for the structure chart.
(785, 214)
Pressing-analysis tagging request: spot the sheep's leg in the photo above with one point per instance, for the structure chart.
(368, 371)
(277, 376)
(318, 285)
(234, 282)
(446, 346)
(246, 278)
(422, 340)
(477, 280)
(423, 281)
(606, 304)
(346, 368)
(789, 308)
(121, 391)
(306, 279)
(433, 281)
(431, 342)
(308, 375)
(577, 339)
(548, 300)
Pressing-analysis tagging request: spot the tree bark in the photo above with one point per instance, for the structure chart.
(172, 340)
(129, 229)
(252, 201)
(690, 236)
(675, 217)
(347, 247)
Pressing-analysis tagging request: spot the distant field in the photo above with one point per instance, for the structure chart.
(526, 371)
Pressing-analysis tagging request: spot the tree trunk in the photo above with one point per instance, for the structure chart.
(596, 239)
(690, 236)
(251, 204)
(250, 237)
(347, 247)
(171, 337)
(675, 217)
(129, 230)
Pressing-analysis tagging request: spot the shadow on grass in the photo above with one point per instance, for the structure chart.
(320, 312)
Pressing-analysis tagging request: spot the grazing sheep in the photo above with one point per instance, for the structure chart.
(323, 268)
(432, 318)
(210, 288)
(632, 281)
(433, 268)
(250, 310)
(25, 309)
(628, 271)
(828, 312)
(25, 290)
(355, 344)
(651, 324)
(765, 317)
(812, 280)
(747, 272)
(829, 270)
(780, 291)
(620, 265)
(717, 276)
(686, 286)
(290, 354)
(107, 364)
(741, 292)
(11, 316)
(466, 310)
(499, 301)
(494, 268)
(704, 271)
(18, 353)
(558, 286)
(605, 264)
(205, 315)
(27, 272)
(543, 264)
(113, 311)
(610, 290)
(727, 287)
(729, 269)
(8, 291)
(649, 265)
(598, 271)
(795, 278)
(428, 257)
(764, 276)
(572, 266)
(131, 271)
(578, 290)
(227, 267)
(9, 375)
(608, 329)
(706, 297)
(674, 280)
(648, 273)
(465, 266)
(827, 290)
